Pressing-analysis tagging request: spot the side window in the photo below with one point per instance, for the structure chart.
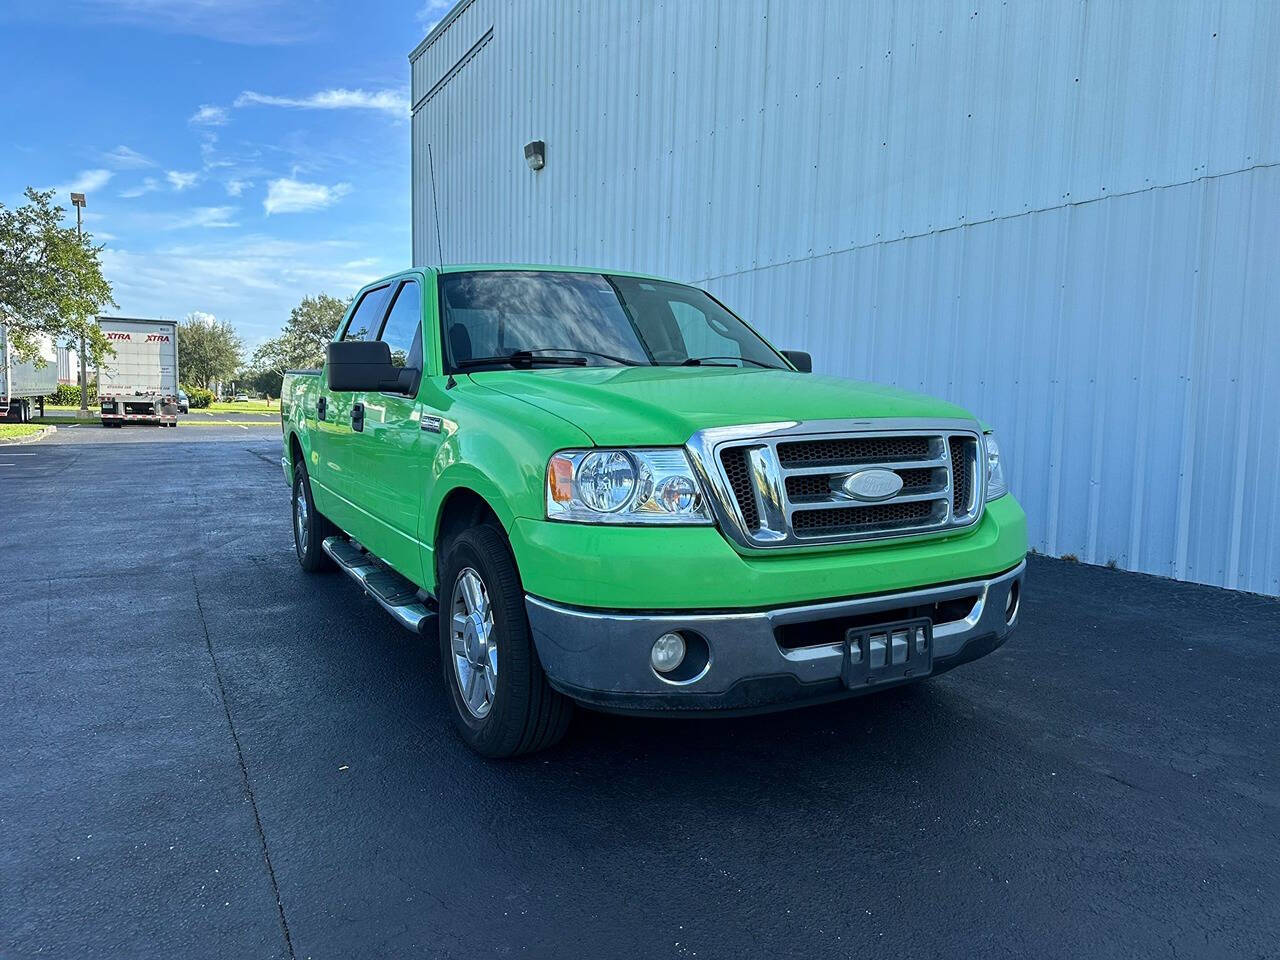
(700, 337)
(403, 328)
(365, 317)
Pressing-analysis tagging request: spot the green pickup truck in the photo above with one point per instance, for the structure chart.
(607, 489)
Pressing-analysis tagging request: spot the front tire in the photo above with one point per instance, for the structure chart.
(310, 527)
(502, 703)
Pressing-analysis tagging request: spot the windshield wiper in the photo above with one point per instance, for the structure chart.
(700, 361)
(522, 358)
(589, 353)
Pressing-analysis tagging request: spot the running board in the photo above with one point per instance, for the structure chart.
(398, 596)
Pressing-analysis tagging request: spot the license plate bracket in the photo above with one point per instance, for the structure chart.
(884, 652)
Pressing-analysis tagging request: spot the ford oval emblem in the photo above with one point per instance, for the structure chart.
(875, 484)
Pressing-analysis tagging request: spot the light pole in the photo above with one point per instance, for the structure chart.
(78, 200)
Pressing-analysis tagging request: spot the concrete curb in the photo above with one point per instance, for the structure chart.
(44, 432)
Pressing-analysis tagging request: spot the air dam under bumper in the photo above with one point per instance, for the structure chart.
(759, 660)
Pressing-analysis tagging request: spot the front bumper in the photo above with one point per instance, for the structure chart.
(758, 660)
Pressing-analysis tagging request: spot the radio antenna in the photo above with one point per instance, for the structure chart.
(435, 202)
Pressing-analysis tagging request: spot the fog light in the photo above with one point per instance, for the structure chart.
(668, 652)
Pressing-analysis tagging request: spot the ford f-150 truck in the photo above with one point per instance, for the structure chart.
(604, 488)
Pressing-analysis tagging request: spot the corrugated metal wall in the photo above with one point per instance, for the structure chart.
(1064, 216)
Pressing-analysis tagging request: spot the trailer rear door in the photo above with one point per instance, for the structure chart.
(146, 360)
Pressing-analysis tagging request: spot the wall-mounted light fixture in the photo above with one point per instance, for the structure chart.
(535, 154)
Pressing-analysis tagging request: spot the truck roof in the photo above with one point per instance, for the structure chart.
(521, 267)
(136, 320)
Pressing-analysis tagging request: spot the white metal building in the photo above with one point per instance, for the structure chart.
(1064, 216)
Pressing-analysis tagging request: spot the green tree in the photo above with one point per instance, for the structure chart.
(263, 382)
(51, 280)
(208, 349)
(301, 345)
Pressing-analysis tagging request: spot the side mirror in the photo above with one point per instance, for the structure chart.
(800, 360)
(365, 366)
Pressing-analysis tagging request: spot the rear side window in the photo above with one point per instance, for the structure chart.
(402, 331)
(365, 317)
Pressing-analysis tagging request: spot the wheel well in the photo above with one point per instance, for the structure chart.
(462, 508)
(295, 451)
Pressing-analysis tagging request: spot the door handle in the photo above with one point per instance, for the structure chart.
(357, 417)
(322, 407)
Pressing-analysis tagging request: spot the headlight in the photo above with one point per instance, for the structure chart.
(996, 485)
(624, 486)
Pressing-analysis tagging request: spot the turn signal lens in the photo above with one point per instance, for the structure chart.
(560, 479)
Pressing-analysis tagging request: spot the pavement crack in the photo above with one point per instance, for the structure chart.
(244, 774)
(1124, 783)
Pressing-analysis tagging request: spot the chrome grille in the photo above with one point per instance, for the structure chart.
(850, 450)
(784, 486)
(845, 519)
(961, 472)
(816, 486)
(735, 470)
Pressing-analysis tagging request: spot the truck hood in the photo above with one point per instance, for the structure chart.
(642, 406)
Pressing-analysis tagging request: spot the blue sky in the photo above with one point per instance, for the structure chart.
(236, 154)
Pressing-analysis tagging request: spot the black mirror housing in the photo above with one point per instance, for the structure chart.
(359, 366)
(801, 360)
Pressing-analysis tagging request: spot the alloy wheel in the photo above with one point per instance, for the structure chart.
(300, 528)
(475, 654)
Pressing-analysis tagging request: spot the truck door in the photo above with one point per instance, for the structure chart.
(390, 464)
(332, 440)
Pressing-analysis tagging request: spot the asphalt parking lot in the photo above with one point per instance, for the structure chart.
(208, 753)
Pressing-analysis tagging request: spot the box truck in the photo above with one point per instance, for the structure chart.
(24, 385)
(140, 382)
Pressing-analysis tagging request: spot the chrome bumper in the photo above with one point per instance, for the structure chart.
(602, 657)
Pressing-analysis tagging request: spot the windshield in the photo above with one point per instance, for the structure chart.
(518, 318)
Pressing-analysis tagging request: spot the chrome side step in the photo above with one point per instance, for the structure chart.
(398, 596)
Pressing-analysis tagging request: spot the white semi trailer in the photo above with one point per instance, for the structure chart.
(139, 383)
(24, 385)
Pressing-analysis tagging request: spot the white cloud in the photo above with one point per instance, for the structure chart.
(148, 185)
(294, 196)
(180, 180)
(254, 278)
(126, 158)
(431, 13)
(237, 187)
(254, 22)
(209, 116)
(394, 102)
(210, 217)
(86, 181)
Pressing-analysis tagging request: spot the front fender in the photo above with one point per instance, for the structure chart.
(466, 476)
(496, 447)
